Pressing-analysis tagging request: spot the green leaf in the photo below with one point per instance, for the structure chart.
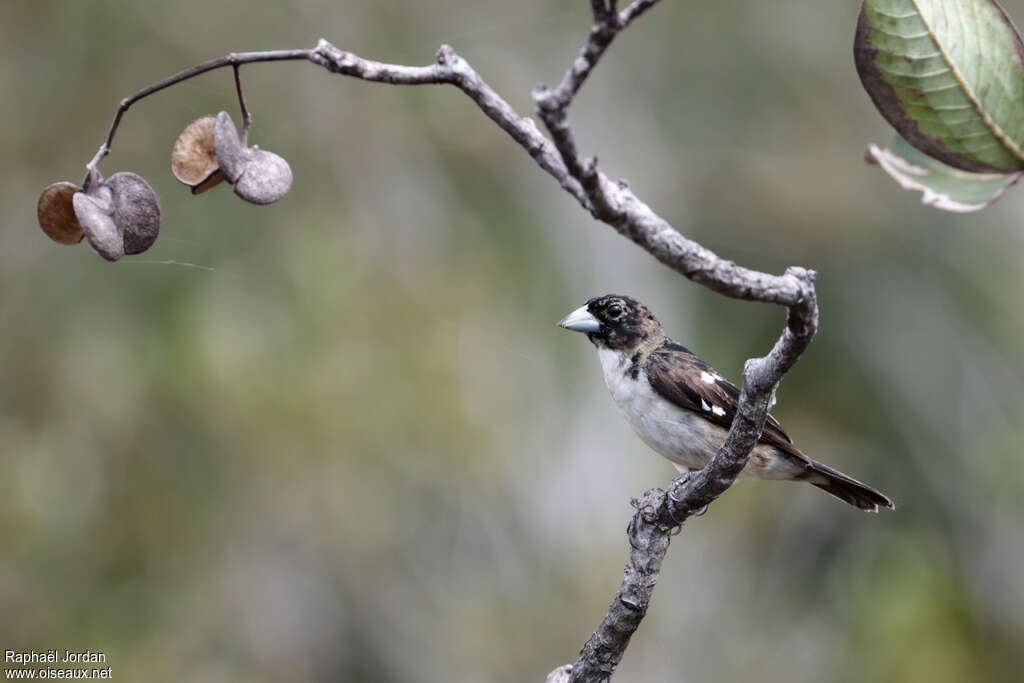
(944, 187)
(949, 76)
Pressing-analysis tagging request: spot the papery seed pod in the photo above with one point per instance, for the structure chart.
(266, 178)
(95, 212)
(120, 216)
(194, 156)
(136, 211)
(259, 176)
(229, 147)
(56, 213)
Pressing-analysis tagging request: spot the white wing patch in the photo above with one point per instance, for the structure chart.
(707, 377)
(717, 410)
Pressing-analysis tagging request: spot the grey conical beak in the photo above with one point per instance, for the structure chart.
(580, 320)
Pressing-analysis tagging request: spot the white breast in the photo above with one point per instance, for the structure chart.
(682, 436)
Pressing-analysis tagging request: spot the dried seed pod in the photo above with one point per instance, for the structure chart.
(95, 212)
(120, 216)
(56, 213)
(213, 180)
(229, 147)
(136, 211)
(194, 156)
(267, 178)
(259, 176)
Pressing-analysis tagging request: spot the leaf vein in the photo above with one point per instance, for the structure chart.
(930, 74)
(900, 35)
(896, 16)
(929, 91)
(911, 55)
(972, 135)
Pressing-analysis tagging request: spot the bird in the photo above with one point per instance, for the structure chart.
(682, 407)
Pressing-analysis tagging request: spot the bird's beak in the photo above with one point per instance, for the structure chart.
(580, 320)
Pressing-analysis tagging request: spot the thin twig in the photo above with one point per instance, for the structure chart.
(601, 35)
(246, 114)
(233, 59)
(553, 104)
(634, 10)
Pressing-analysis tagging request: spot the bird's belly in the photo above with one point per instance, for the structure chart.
(679, 435)
(685, 438)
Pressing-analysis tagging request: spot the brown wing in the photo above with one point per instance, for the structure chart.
(682, 378)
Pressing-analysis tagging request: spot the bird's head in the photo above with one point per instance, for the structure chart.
(614, 321)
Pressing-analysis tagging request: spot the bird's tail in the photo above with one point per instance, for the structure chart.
(847, 488)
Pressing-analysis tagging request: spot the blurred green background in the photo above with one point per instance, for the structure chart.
(352, 445)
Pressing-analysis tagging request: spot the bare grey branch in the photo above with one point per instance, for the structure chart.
(634, 10)
(658, 513)
(452, 69)
(560, 675)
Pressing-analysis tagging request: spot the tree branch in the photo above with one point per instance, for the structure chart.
(635, 10)
(452, 69)
(658, 513)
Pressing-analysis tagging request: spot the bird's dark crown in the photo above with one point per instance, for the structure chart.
(625, 322)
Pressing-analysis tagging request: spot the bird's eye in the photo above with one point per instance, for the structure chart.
(614, 311)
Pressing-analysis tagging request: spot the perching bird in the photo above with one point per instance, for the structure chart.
(679, 406)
